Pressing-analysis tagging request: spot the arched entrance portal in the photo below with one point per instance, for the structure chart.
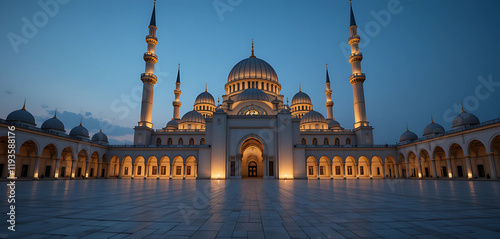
(251, 160)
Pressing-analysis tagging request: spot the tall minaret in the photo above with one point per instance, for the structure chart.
(328, 93)
(177, 102)
(148, 78)
(356, 79)
(143, 131)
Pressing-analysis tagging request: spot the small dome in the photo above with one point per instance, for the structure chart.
(312, 117)
(22, 116)
(100, 137)
(301, 98)
(252, 94)
(193, 117)
(172, 125)
(205, 98)
(219, 110)
(53, 124)
(465, 119)
(333, 124)
(79, 131)
(433, 129)
(252, 68)
(408, 136)
(284, 111)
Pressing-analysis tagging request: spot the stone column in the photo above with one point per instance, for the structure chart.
(434, 170)
(146, 171)
(56, 170)
(450, 169)
(383, 170)
(371, 171)
(469, 166)
(108, 166)
(120, 170)
(133, 171)
(356, 170)
(266, 165)
(493, 168)
(74, 163)
(317, 169)
(87, 164)
(99, 167)
(342, 170)
(37, 165)
(419, 169)
(408, 170)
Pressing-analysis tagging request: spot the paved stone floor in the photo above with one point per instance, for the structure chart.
(113, 208)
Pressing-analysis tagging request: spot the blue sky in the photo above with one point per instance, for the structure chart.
(85, 57)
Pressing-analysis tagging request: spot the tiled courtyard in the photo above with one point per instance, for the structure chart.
(113, 208)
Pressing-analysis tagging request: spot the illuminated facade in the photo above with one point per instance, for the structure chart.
(252, 133)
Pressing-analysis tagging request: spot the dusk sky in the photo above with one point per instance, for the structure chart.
(85, 57)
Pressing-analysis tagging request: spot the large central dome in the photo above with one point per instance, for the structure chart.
(252, 68)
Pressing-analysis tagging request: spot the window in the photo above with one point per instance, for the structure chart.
(326, 141)
(158, 142)
(315, 141)
(378, 171)
(267, 87)
(337, 170)
(163, 170)
(337, 142)
(233, 168)
(303, 141)
(238, 86)
(180, 141)
(321, 170)
(262, 85)
(188, 170)
(253, 84)
(169, 141)
(248, 84)
(139, 168)
(361, 170)
(311, 170)
(178, 170)
(125, 171)
(349, 170)
(271, 168)
(202, 141)
(154, 170)
(191, 141)
(348, 141)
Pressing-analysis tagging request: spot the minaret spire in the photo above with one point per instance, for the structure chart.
(177, 102)
(252, 50)
(328, 93)
(364, 134)
(144, 129)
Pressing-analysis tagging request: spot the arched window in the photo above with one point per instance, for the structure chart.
(348, 141)
(303, 141)
(337, 142)
(158, 141)
(191, 141)
(326, 141)
(315, 141)
(169, 141)
(180, 141)
(238, 86)
(202, 141)
(262, 85)
(267, 87)
(253, 84)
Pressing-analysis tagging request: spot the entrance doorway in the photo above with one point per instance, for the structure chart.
(252, 169)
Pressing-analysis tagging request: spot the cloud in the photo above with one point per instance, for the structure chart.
(121, 139)
(87, 114)
(44, 106)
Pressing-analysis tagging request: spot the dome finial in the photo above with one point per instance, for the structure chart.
(55, 113)
(286, 100)
(81, 121)
(300, 88)
(432, 119)
(218, 101)
(24, 105)
(252, 50)
(407, 127)
(206, 87)
(463, 111)
(100, 131)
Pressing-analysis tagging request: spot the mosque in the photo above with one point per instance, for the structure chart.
(252, 133)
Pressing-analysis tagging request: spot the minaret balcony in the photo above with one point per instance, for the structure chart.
(150, 57)
(357, 77)
(354, 40)
(149, 77)
(354, 57)
(151, 40)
